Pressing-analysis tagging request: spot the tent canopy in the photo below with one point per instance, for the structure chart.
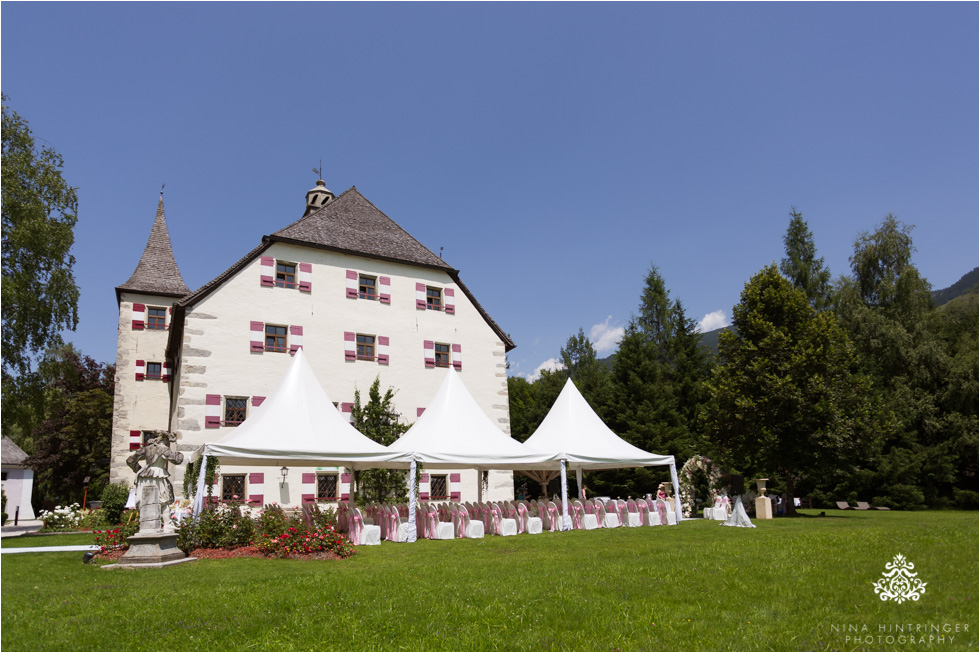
(299, 424)
(455, 432)
(573, 432)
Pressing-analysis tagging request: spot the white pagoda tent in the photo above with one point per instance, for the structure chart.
(297, 425)
(572, 433)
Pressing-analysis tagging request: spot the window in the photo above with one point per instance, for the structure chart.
(275, 338)
(154, 370)
(285, 275)
(366, 287)
(156, 318)
(433, 299)
(365, 348)
(235, 410)
(233, 487)
(326, 487)
(442, 355)
(438, 488)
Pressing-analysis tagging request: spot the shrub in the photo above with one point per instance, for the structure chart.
(114, 498)
(217, 528)
(301, 539)
(965, 499)
(114, 538)
(62, 518)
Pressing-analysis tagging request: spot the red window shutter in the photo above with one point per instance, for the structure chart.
(419, 411)
(257, 401)
(267, 276)
(352, 284)
(309, 478)
(135, 440)
(140, 370)
(295, 338)
(139, 317)
(257, 343)
(306, 277)
(454, 478)
(212, 411)
(257, 499)
(383, 350)
(458, 357)
(430, 353)
(165, 372)
(424, 478)
(308, 498)
(384, 290)
(256, 477)
(450, 301)
(350, 346)
(420, 296)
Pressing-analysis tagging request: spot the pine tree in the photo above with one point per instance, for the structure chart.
(801, 265)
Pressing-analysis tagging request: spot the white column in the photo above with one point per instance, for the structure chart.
(199, 493)
(578, 479)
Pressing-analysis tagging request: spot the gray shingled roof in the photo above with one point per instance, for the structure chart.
(157, 272)
(351, 223)
(11, 454)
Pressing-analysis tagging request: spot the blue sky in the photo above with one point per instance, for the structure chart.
(555, 151)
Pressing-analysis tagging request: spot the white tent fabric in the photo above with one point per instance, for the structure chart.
(453, 431)
(298, 423)
(739, 517)
(571, 431)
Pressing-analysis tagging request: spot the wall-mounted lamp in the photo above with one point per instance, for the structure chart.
(284, 471)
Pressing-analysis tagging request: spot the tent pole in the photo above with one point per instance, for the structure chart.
(677, 491)
(412, 533)
(578, 480)
(479, 485)
(566, 521)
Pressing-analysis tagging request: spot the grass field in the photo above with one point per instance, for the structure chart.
(790, 584)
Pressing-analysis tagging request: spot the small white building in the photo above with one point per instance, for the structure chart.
(361, 296)
(18, 481)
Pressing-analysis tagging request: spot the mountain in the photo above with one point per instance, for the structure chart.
(966, 283)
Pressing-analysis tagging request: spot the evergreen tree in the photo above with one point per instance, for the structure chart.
(787, 398)
(801, 265)
(378, 420)
(581, 364)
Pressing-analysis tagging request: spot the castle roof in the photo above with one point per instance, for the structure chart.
(352, 224)
(157, 272)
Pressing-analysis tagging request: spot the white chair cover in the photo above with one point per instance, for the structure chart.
(607, 514)
(370, 534)
(508, 526)
(588, 517)
(532, 525)
(632, 514)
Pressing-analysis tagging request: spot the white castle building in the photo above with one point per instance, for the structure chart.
(344, 282)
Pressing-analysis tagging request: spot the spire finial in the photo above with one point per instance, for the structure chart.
(164, 185)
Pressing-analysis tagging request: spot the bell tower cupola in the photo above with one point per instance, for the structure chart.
(318, 197)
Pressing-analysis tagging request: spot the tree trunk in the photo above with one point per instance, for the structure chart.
(790, 506)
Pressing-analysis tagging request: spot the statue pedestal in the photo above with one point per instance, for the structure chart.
(151, 549)
(763, 508)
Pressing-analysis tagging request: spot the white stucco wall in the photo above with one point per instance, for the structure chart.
(18, 486)
(216, 356)
(137, 405)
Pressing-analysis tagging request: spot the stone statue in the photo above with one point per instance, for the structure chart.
(156, 452)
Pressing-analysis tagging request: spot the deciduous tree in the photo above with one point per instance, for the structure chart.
(378, 420)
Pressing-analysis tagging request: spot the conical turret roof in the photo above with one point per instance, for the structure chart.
(157, 272)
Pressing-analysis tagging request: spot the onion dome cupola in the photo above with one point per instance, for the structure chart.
(318, 197)
(157, 272)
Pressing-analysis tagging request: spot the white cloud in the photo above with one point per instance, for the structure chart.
(552, 365)
(712, 321)
(605, 337)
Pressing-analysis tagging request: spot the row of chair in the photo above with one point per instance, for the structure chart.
(446, 521)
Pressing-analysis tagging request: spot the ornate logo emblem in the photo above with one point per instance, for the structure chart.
(899, 582)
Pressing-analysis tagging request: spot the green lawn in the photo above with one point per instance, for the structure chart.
(794, 584)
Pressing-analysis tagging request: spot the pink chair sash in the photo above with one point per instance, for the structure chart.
(464, 521)
(495, 513)
(600, 514)
(355, 527)
(433, 523)
(662, 511)
(623, 519)
(393, 524)
(553, 517)
(522, 522)
(577, 516)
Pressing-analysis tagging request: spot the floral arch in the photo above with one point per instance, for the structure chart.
(686, 480)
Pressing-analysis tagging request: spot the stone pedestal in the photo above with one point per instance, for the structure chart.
(152, 546)
(763, 508)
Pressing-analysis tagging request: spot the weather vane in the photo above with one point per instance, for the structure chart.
(162, 187)
(319, 172)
